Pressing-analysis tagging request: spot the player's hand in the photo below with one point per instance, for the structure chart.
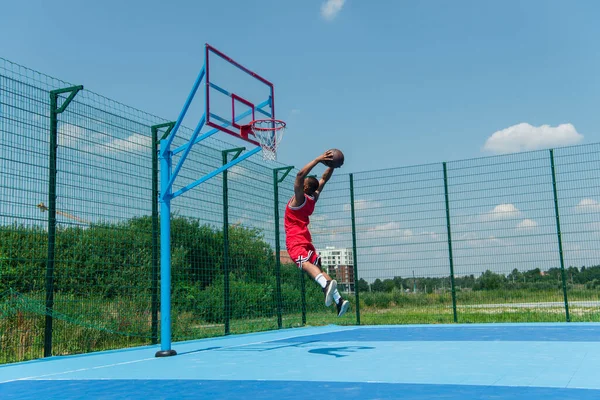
(327, 156)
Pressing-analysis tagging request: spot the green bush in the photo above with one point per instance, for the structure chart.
(23, 254)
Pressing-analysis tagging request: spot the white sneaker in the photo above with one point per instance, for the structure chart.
(329, 288)
(342, 307)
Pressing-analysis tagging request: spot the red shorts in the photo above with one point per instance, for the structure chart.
(301, 253)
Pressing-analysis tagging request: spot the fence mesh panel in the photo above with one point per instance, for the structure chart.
(523, 243)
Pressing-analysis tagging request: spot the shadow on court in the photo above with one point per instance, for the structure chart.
(337, 352)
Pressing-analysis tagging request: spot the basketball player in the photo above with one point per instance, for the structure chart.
(298, 239)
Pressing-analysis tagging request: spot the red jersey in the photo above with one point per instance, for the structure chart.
(296, 221)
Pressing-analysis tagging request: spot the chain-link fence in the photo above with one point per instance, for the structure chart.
(510, 238)
(499, 239)
(79, 249)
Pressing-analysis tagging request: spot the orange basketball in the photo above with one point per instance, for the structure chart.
(338, 159)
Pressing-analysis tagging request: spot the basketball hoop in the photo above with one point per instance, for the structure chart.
(268, 133)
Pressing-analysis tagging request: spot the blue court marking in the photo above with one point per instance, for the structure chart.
(388, 362)
(463, 333)
(276, 390)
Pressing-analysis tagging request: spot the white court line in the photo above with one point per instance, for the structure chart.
(38, 377)
(76, 370)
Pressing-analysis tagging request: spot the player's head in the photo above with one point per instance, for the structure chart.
(311, 184)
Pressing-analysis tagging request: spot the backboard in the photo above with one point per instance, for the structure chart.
(235, 95)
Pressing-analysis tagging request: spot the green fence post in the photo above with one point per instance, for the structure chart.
(560, 248)
(276, 181)
(54, 111)
(354, 255)
(154, 149)
(449, 242)
(226, 300)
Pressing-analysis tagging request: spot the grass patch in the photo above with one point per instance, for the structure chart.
(83, 325)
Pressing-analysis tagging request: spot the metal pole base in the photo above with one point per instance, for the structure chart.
(165, 353)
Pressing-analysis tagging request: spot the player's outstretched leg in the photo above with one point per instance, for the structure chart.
(328, 285)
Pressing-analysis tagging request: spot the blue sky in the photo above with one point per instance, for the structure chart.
(391, 83)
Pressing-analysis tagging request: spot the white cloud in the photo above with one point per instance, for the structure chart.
(81, 138)
(431, 235)
(527, 224)
(70, 135)
(331, 8)
(474, 240)
(134, 143)
(466, 236)
(238, 172)
(384, 230)
(324, 226)
(390, 230)
(386, 227)
(502, 211)
(360, 204)
(588, 205)
(523, 137)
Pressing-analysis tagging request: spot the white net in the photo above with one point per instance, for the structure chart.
(268, 133)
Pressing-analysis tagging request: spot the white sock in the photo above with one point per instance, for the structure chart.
(320, 279)
(336, 296)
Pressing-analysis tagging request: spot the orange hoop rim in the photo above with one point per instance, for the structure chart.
(278, 125)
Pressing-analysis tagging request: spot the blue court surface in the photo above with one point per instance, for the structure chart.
(494, 361)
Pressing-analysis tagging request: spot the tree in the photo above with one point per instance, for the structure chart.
(533, 275)
(398, 283)
(363, 286)
(378, 286)
(515, 276)
(388, 285)
(465, 281)
(490, 281)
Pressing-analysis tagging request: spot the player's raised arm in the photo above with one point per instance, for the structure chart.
(324, 178)
(301, 175)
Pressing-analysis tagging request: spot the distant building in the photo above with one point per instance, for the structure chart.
(339, 262)
(331, 256)
(336, 262)
(344, 275)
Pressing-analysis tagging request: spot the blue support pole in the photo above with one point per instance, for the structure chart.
(258, 108)
(220, 119)
(220, 89)
(186, 105)
(165, 251)
(195, 139)
(263, 112)
(187, 150)
(167, 178)
(226, 124)
(216, 172)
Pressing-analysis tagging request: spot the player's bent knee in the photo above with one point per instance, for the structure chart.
(307, 266)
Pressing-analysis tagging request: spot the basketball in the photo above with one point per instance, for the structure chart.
(338, 159)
